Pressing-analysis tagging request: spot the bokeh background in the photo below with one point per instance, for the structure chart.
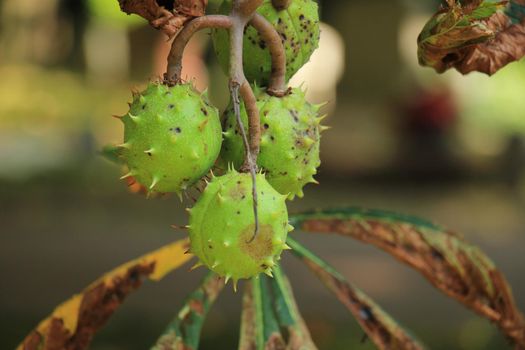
(444, 147)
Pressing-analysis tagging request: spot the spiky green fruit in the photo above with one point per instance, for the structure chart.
(298, 27)
(172, 137)
(222, 225)
(290, 137)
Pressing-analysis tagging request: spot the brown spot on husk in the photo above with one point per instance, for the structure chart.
(238, 192)
(262, 246)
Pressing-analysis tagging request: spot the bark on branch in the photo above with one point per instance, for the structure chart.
(275, 45)
(173, 72)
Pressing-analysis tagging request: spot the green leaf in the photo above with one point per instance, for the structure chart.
(376, 323)
(287, 312)
(252, 319)
(184, 331)
(273, 338)
(268, 309)
(457, 268)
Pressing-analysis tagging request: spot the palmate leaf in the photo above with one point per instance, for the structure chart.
(73, 323)
(455, 267)
(377, 324)
(184, 331)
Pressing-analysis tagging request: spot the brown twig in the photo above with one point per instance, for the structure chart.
(250, 162)
(243, 12)
(254, 128)
(273, 40)
(173, 72)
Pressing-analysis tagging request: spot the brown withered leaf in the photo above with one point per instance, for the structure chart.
(97, 304)
(73, 324)
(507, 46)
(474, 36)
(168, 16)
(457, 268)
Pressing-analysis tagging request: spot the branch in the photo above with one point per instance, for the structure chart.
(250, 161)
(254, 128)
(273, 40)
(173, 73)
(242, 13)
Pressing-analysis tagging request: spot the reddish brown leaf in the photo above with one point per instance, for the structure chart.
(168, 20)
(507, 46)
(470, 38)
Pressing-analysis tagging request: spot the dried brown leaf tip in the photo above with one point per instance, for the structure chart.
(457, 268)
(165, 15)
(474, 35)
(90, 312)
(73, 324)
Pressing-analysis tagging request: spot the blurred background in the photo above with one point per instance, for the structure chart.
(444, 147)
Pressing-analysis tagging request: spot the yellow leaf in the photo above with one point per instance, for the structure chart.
(163, 260)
